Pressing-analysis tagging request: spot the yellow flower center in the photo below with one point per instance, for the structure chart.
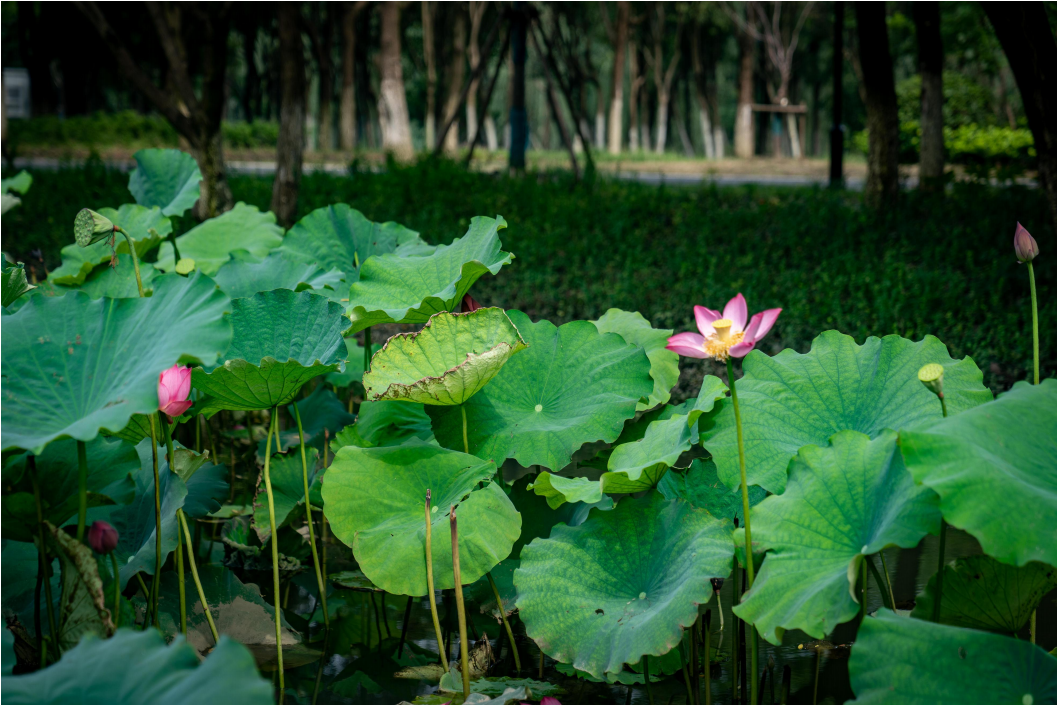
(719, 343)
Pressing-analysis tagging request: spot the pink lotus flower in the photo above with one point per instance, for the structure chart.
(730, 334)
(102, 537)
(469, 304)
(174, 386)
(1024, 245)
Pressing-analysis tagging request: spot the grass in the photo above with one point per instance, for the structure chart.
(933, 265)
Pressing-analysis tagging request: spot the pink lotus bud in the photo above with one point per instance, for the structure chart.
(469, 304)
(1024, 245)
(549, 700)
(174, 387)
(102, 537)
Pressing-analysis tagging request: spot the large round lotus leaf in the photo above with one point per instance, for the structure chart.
(282, 340)
(245, 275)
(375, 501)
(341, 238)
(211, 243)
(166, 178)
(700, 486)
(138, 221)
(995, 470)
(73, 365)
(571, 386)
(623, 584)
(981, 593)
(905, 661)
(793, 399)
(636, 330)
(843, 502)
(136, 667)
(119, 282)
(411, 289)
(385, 424)
(447, 362)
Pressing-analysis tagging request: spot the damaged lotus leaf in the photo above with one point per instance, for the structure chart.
(83, 605)
(623, 584)
(450, 359)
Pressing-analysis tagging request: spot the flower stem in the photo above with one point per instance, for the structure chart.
(735, 647)
(465, 430)
(82, 488)
(170, 460)
(194, 574)
(135, 258)
(429, 583)
(506, 623)
(117, 590)
(1034, 321)
(275, 545)
(464, 648)
(366, 349)
(156, 583)
(749, 568)
(31, 463)
(818, 668)
(863, 583)
(308, 511)
(888, 578)
(886, 597)
(646, 677)
(706, 629)
(943, 546)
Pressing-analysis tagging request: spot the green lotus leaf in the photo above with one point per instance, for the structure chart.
(119, 282)
(623, 677)
(843, 503)
(341, 238)
(288, 490)
(205, 488)
(712, 391)
(166, 178)
(20, 561)
(73, 365)
(981, 593)
(905, 661)
(137, 429)
(212, 243)
(245, 275)
(353, 581)
(385, 424)
(19, 183)
(447, 362)
(559, 490)
(14, 284)
(793, 399)
(700, 486)
(993, 463)
(572, 385)
(282, 339)
(136, 667)
(375, 500)
(146, 226)
(411, 289)
(623, 584)
(636, 330)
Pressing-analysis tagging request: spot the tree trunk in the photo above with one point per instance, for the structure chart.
(429, 49)
(930, 66)
(326, 80)
(392, 99)
(291, 115)
(455, 75)
(251, 91)
(348, 75)
(882, 116)
(1024, 32)
(636, 80)
(477, 9)
(701, 93)
(744, 132)
(616, 102)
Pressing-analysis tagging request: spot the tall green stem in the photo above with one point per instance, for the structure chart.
(117, 590)
(366, 350)
(943, 543)
(506, 623)
(194, 574)
(646, 678)
(886, 597)
(706, 628)
(53, 632)
(134, 256)
(272, 425)
(429, 582)
(888, 578)
(465, 430)
(464, 648)
(862, 587)
(82, 488)
(156, 583)
(735, 641)
(754, 687)
(308, 509)
(1034, 321)
(180, 576)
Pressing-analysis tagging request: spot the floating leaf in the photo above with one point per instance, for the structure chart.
(146, 226)
(245, 275)
(73, 365)
(572, 385)
(636, 330)
(623, 584)
(375, 501)
(411, 289)
(700, 486)
(15, 283)
(166, 178)
(981, 593)
(995, 470)
(794, 399)
(136, 667)
(843, 503)
(282, 339)
(385, 424)
(341, 238)
(905, 661)
(447, 362)
(212, 243)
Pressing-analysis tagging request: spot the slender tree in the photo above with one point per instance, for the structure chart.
(348, 74)
(663, 76)
(455, 75)
(637, 79)
(618, 35)
(290, 147)
(477, 10)
(429, 10)
(744, 124)
(392, 98)
(319, 23)
(930, 66)
(882, 116)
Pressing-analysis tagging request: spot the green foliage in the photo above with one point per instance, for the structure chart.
(138, 221)
(245, 275)
(168, 179)
(636, 330)
(213, 242)
(15, 284)
(700, 486)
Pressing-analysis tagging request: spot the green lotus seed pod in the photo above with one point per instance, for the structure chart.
(931, 376)
(90, 227)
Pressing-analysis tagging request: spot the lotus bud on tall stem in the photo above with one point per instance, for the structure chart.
(156, 583)
(31, 464)
(272, 426)
(931, 376)
(169, 458)
(464, 648)
(506, 623)
(308, 510)
(117, 590)
(429, 582)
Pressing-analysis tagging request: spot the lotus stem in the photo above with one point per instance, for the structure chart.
(82, 488)
(745, 514)
(939, 572)
(689, 689)
(735, 647)
(135, 257)
(646, 677)
(465, 430)
(695, 662)
(464, 648)
(506, 623)
(183, 588)
(308, 511)
(37, 626)
(429, 583)
(863, 583)
(377, 618)
(818, 668)
(541, 661)
(146, 597)
(403, 627)
(31, 463)
(194, 575)
(886, 598)
(888, 578)
(155, 584)
(787, 678)
(366, 350)
(272, 424)
(1034, 321)
(117, 590)
(706, 627)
